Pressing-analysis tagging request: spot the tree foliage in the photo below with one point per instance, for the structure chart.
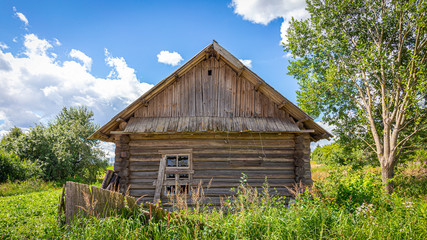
(13, 168)
(61, 148)
(362, 66)
(336, 154)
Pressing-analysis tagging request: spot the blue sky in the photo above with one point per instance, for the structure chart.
(104, 54)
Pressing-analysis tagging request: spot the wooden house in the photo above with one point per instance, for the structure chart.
(213, 118)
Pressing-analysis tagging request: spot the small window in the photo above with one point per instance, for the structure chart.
(177, 161)
(170, 176)
(183, 161)
(209, 72)
(178, 173)
(174, 190)
(183, 176)
(171, 161)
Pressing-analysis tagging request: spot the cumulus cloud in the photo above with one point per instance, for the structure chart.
(35, 86)
(246, 62)
(87, 61)
(264, 11)
(35, 47)
(21, 16)
(170, 58)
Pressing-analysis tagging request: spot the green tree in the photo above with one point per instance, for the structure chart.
(362, 65)
(61, 148)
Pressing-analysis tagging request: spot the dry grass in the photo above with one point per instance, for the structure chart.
(179, 199)
(318, 172)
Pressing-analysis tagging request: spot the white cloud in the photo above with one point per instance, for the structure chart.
(3, 46)
(288, 55)
(264, 11)
(109, 149)
(35, 86)
(21, 16)
(246, 62)
(57, 42)
(87, 61)
(35, 47)
(323, 142)
(171, 58)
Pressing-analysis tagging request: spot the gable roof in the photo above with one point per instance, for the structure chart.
(104, 133)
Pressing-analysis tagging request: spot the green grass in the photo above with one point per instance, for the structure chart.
(110, 167)
(31, 215)
(24, 187)
(344, 204)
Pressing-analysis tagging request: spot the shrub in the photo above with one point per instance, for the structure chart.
(13, 168)
(337, 154)
(349, 188)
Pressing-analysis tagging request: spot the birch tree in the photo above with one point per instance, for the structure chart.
(361, 65)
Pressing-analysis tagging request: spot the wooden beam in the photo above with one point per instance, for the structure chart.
(303, 120)
(177, 77)
(300, 123)
(104, 135)
(258, 85)
(145, 102)
(240, 71)
(283, 104)
(321, 136)
(119, 132)
(160, 177)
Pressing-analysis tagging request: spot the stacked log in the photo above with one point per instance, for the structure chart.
(121, 165)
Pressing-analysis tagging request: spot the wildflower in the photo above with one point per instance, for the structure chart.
(408, 204)
(365, 209)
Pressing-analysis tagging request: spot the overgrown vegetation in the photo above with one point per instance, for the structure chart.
(346, 203)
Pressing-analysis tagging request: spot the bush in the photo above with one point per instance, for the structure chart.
(337, 154)
(13, 168)
(349, 188)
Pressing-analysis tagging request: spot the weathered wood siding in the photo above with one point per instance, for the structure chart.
(223, 94)
(221, 158)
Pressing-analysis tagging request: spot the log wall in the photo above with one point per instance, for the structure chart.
(283, 159)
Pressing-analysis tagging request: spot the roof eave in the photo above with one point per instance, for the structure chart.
(104, 132)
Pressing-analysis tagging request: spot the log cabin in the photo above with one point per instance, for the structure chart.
(208, 122)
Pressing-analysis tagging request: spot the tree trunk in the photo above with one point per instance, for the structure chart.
(387, 171)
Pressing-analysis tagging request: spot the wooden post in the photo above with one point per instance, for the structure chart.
(107, 179)
(160, 178)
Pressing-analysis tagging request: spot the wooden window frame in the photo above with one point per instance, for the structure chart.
(178, 170)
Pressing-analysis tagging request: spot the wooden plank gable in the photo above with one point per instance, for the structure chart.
(210, 89)
(246, 95)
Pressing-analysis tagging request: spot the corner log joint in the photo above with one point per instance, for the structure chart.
(122, 123)
(121, 164)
